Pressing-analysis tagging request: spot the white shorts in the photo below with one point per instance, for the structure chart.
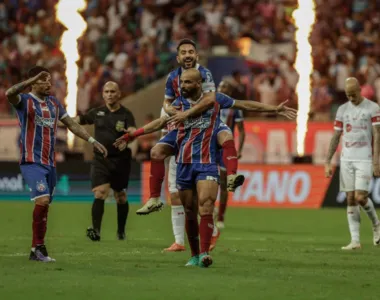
(172, 174)
(355, 175)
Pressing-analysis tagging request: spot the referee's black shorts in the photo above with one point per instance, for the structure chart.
(114, 171)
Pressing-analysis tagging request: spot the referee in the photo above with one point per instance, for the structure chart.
(110, 121)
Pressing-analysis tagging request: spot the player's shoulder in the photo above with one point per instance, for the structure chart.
(371, 104)
(125, 110)
(343, 107)
(174, 73)
(204, 71)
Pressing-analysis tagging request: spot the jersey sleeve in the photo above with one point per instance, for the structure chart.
(163, 114)
(375, 115)
(338, 123)
(224, 101)
(208, 84)
(62, 113)
(238, 116)
(21, 104)
(89, 117)
(169, 91)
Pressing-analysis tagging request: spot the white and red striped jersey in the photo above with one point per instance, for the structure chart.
(356, 122)
(38, 120)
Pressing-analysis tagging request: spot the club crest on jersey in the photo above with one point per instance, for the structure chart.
(101, 113)
(120, 126)
(40, 186)
(348, 127)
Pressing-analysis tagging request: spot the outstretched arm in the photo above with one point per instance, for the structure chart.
(281, 109)
(80, 132)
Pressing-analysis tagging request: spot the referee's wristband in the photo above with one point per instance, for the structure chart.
(91, 140)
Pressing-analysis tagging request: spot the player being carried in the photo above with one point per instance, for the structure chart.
(187, 57)
(359, 120)
(38, 114)
(197, 158)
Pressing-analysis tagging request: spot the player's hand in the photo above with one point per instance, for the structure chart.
(103, 150)
(286, 111)
(178, 117)
(122, 146)
(376, 169)
(42, 76)
(328, 170)
(126, 138)
(239, 155)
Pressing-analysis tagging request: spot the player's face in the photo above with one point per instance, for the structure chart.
(189, 86)
(111, 94)
(353, 95)
(224, 88)
(43, 87)
(187, 56)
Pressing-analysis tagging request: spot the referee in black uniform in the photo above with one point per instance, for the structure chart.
(110, 121)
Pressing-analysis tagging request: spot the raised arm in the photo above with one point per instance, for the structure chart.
(13, 92)
(80, 132)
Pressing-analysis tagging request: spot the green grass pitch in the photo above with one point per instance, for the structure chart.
(262, 254)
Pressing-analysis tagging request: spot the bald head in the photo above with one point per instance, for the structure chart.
(111, 94)
(191, 83)
(353, 90)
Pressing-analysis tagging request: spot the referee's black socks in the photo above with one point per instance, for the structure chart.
(122, 214)
(97, 214)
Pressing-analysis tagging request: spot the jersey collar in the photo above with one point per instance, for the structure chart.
(195, 102)
(37, 98)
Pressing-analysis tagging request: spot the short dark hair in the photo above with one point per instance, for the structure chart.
(36, 70)
(186, 42)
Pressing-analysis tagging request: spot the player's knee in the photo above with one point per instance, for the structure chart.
(206, 206)
(361, 198)
(157, 153)
(101, 192)
(43, 201)
(120, 197)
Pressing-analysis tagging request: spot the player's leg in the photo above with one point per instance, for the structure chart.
(363, 174)
(347, 185)
(164, 148)
(36, 176)
(119, 179)
(223, 198)
(178, 211)
(207, 190)
(100, 181)
(229, 157)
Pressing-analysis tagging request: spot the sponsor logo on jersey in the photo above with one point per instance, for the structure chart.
(101, 113)
(44, 122)
(120, 126)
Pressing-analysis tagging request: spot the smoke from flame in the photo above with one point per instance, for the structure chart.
(304, 18)
(67, 14)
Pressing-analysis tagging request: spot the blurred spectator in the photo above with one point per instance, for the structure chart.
(321, 99)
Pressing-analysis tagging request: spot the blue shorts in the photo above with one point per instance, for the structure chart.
(189, 174)
(41, 179)
(171, 139)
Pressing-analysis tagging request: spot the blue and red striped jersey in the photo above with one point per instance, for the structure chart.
(173, 89)
(230, 117)
(38, 121)
(198, 139)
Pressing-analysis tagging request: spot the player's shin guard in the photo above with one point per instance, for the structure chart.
(230, 157)
(97, 214)
(157, 175)
(122, 215)
(39, 224)
(192, 231)
(206, 229)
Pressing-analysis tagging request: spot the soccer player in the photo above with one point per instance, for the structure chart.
(232, 118)
(110, 121)
(359, 120)
(187, 58)
(38, 114)
(197, 161)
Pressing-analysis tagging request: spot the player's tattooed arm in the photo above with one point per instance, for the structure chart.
(155, 125)
(376, 143)
(334, 143)
(13, 92)
(82, 133)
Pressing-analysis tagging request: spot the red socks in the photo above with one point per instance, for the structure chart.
(230, 157)
(157, 175)
(192, 231)
(222, 210)
(39, 224)
(206, 228)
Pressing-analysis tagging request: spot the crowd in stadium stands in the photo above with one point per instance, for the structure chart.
(133, 42)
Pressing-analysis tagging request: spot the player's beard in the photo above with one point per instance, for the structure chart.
(187, 64)
(188, 93)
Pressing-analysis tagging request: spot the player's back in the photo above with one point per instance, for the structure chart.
(356, 122)
(38, 121)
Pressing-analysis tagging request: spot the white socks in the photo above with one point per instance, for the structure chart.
(369, 208)
(353, 216)
(178, 223)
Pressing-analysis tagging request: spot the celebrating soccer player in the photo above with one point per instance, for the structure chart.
(187, 57)
(359, 120)
(38, 114)
(110, 122)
